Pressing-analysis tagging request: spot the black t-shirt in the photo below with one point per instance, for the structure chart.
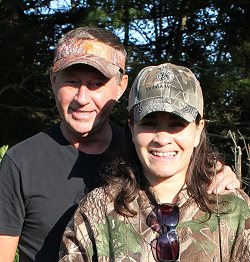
(42, 179)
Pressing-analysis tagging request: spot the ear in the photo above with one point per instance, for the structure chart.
(198, 131)
(122, 86)
(52, 78)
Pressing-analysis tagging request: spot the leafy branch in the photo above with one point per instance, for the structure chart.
(238, 152)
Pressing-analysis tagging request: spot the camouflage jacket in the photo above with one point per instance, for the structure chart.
(98, 233)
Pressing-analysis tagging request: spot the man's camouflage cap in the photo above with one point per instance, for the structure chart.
(73, 49)
(166, 88)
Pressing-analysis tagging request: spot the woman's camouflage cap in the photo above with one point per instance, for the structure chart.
(166, 88)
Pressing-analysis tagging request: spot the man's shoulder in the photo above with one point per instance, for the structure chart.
(38, 141)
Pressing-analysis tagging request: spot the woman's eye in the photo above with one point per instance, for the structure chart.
(148, 122)
(177, 126)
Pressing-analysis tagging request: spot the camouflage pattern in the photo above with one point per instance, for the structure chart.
(167, 88)
(98, 233)
(75, 50)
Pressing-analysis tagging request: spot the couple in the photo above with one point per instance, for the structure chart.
(155, 206)
(41, 188)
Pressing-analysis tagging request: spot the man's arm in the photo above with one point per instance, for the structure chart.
(225, 179)
(8, 246)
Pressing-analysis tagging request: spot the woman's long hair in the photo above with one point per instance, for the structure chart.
(125, 175)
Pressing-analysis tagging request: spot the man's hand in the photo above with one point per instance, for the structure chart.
(225, 179)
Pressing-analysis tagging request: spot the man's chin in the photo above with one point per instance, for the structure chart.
(85, 134)
(78, 130)
(86, 129)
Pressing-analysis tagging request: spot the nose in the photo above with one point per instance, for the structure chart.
(82, 95)
(163, 138)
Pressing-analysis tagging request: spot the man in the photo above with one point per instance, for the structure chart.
(43, 178)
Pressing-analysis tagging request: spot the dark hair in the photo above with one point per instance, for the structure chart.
(125, 176)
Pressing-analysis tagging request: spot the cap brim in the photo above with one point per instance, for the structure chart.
(106, 68)
(159, 104)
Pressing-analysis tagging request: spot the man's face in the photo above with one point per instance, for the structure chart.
(85, 98)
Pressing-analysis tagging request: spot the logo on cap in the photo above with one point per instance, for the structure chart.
(165, 75)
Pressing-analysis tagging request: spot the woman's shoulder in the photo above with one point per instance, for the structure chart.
(98, 200)
(98, 196)
(236, 192)
(236, 196)
(93, 206)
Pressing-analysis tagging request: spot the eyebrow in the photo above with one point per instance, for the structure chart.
(72, 73)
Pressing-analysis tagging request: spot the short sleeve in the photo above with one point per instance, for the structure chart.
(12, 205)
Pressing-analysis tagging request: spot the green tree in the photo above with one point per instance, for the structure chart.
(210, 37)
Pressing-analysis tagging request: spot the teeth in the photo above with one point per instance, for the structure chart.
(155, 153)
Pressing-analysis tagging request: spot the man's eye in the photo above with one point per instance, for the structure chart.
(73, 82)
(95, 85)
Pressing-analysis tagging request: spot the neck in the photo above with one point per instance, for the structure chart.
(95, 142)
(168, 190)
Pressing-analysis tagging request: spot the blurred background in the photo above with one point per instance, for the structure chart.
(212, 38)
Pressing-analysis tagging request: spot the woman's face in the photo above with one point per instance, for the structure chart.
(164, 143)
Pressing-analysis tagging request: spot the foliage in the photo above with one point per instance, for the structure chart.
(16, 259)
(3, 149)
(241, 151)
(210, 37)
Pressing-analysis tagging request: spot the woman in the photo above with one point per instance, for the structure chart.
(157, 207)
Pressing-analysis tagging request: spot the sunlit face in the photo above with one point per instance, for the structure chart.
(164, 143)
(85, 98)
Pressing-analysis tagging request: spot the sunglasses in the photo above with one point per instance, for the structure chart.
(163, 219)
